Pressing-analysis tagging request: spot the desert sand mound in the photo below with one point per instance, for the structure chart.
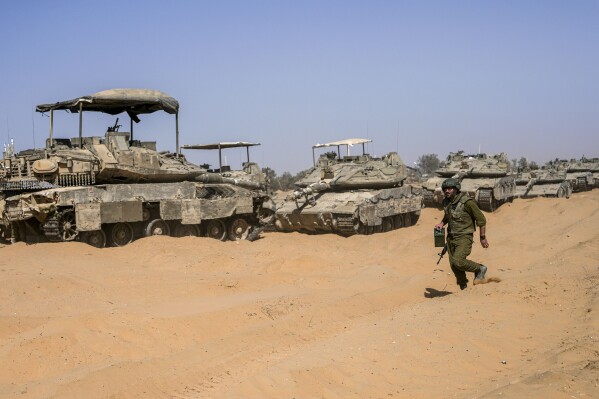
(294, 315)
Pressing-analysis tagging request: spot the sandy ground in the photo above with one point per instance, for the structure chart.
(299, 316)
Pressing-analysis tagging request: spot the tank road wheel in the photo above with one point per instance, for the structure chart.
(398, 221)
(96, 238)
(388, 223)
(121, 234)
(157, 227)
(238, 229)
(415, 216)
(67, 226)
(187, 230)
(216, 229)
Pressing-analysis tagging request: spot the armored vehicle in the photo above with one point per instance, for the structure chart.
(115, 157)
(145, 192)
(546, 182)
(582, 173)
(351, 194)
(249, 176)
(486, 179)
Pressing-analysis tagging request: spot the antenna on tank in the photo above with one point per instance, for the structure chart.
(33, 128)
(7, 130)
(397, 138)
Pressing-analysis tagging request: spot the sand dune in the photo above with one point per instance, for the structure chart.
(299, 316)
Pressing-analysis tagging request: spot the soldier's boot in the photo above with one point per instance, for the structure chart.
(480, 273)
(463, 286)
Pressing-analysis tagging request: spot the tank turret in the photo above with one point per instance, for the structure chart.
(249, 171)
(115, 157)
(350, 194)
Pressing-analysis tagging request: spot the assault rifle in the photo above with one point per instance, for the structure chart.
(442, 253)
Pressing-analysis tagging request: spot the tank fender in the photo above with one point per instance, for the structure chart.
(88, 216)
(28, 207)
(369, 217)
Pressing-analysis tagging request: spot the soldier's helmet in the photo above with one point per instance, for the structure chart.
(451, 182)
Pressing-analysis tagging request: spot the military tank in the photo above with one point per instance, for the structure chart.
(546, 182)
(249, 176)
(114, 189)
(350, 194)
(485, 178)
(582, 173)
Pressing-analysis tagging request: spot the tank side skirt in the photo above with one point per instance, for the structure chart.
(99, 208)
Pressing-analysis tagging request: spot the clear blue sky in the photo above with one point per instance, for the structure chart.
(416, 77)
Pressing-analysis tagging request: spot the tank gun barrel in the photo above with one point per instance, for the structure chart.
(216, 178)
(310, 190)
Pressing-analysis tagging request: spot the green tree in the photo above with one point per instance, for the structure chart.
(523, 164)
(270, 173)
(514, 164)
(428, 163)
(285, 181)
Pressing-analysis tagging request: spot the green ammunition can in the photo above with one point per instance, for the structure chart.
(440, 237)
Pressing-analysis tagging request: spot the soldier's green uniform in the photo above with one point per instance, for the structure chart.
(462, 215)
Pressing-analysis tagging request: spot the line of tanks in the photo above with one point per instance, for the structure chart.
(112, 189)
(489, 180)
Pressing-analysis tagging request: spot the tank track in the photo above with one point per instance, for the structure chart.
(581, 184)
(345, 225)
(486, 202)
(401, 220)
(51, 228)
(428, 198)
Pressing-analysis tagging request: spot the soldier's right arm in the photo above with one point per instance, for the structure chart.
(443, 222)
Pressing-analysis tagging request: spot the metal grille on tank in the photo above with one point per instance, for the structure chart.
(75, 179)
